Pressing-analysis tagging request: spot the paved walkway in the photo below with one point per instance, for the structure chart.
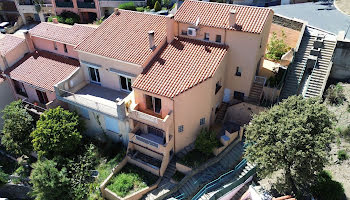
(343, 5)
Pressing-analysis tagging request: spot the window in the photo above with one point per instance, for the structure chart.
(180, 129)
(84, 113)
(65, 48)
(202, 121)
(183, 32)
(218, 38)
(125, 83)
(111, 124)
(217, 87)
(238, 71)
(42, 97)
(55, 45)
(19, 87)
(94, 75)
(238, 95)
(153, 103)
(206, 36)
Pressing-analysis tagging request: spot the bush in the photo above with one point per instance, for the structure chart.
(69, 21)
(325, 188)
(206, 141)
(66, 17)
(3, 177)
(128, 6)
(335, 94)
(123, 183)
(277, 47)
(140, 9)
(342, 155)
(157, 6)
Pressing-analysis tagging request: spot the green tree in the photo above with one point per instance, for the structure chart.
(128, 6)
(57, 133)
(18, 124)
(157, 6)
(335, 94)
(206, 141)
(48, 181)
(277, 47)
(293, 136)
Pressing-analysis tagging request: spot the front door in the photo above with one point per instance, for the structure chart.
(227, 95)
(42, 97)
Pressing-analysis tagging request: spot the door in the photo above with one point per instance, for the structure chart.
(227, 95)
(111, 124)
(94, 75)
(42, 97)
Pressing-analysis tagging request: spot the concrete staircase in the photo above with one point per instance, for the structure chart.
(255, 92)
(297, 68)
(319, 75)
(193, 184)
(221, 113)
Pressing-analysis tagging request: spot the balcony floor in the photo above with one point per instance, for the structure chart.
(91, 94)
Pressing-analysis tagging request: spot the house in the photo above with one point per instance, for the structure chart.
(49, 59)
(31, 12)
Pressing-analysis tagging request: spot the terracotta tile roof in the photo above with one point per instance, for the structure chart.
(72, 35)
(124, 36)
(42, 69)
(180, 66)
(8, 43)
(249, 19)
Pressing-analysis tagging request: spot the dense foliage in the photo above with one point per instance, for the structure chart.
(335, 94)
(3, 177)
(342, 155)
(128, 6)
(48, 181)
(66, 17)
(206, 141)
(18, 124)
(276, 48)
(58, 132)
(325, 188)
(157, 6)
(293, 136)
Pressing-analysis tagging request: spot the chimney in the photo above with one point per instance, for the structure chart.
(170, 22)
(54, 20)
(151, 39)
(232, 18)
(116, 11)
(29, 41)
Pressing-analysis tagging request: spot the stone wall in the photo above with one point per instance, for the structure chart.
(286, 22)
(341, 61)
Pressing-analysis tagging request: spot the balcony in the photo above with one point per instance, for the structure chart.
(150, 118)
(95, 97)
(86, 4)
(62, 4)
(35, 108)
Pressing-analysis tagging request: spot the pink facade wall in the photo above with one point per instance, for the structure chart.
(79, 11)
(48, 45)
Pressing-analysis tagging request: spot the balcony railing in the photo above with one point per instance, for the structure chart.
(147, 141)
(63, 4)
(33, 108)
(86, 4)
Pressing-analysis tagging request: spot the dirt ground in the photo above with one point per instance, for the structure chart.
(343, 5)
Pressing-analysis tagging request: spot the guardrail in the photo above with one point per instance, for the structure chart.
(86, 4)
(63, 4)
(215, 182)
(147, 141)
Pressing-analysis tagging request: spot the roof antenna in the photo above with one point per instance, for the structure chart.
(197, 22)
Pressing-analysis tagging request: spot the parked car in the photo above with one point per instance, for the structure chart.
(3, 25)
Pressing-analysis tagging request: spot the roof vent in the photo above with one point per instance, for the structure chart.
(151, 39)
(232, 18)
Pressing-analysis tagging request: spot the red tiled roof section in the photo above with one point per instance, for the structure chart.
(8, 43)
(249, 19)
(124, 36)
(180, 66)
(42, 69)
(72, 35)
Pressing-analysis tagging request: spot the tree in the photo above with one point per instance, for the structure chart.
(206, 141)
(293, 136)
(57, 133)
(48, 181)
(157, 6)
(18, 124)
(277, 47)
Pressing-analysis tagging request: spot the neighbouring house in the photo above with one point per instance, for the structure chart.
(49, 59)
(8, 11)
(88, 10)
(34, 11)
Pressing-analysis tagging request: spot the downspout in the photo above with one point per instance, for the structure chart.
(174, 124)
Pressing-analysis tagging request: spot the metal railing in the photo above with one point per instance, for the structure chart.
(215, 182)
(147, 141)
(82, 4)
(63, 4)
(30, 106)
(260, 79)
(100, 107)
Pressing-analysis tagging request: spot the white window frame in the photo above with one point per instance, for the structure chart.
(120, 82)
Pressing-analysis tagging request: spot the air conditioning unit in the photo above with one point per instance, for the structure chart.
(191, 32)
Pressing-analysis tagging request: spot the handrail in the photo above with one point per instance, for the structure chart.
(262, 79)
(147, 141)
(216, 181)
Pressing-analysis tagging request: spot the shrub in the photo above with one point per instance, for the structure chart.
(157, 6)
(140, 9)
(69, 21)
(277, 47)
(335, 94)
(342, 155)
(128, 6)
(325, 188)
(69, 14)
(206, 141)
(49, 19)
(123, 183)
(3, 177)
